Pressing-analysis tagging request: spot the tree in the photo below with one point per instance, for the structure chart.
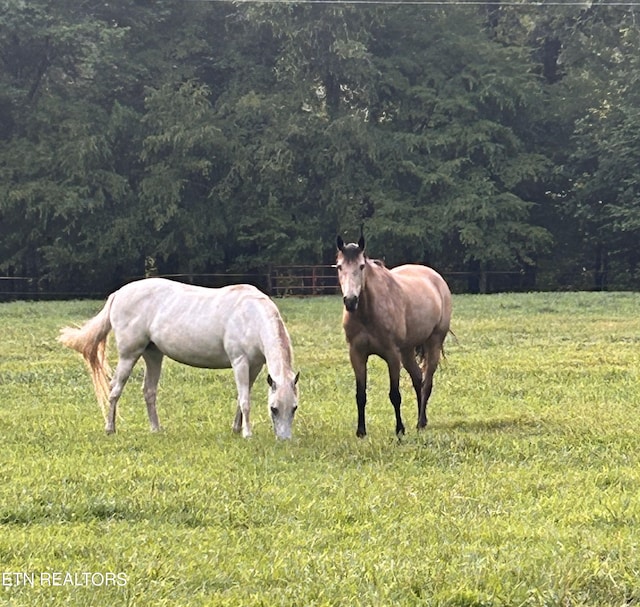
(605, 197)
(219, 136)
(55, 158)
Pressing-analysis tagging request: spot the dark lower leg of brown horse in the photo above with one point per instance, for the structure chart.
(361, 401)
(427, 387)
(396, 400)
(359, 364)
(394, 395)
(432, 353)
(413, 368)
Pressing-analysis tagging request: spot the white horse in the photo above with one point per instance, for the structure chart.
(234, 327)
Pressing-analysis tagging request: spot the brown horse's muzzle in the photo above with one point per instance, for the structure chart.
(350, 303)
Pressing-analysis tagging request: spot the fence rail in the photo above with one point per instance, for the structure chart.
(303, 280)
(278, 281)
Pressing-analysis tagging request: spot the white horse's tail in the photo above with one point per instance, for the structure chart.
(91, 340)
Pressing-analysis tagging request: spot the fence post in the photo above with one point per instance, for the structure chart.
(269, 281)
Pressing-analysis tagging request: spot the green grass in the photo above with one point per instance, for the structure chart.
(522, 491)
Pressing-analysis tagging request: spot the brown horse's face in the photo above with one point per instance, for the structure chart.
(351, 264)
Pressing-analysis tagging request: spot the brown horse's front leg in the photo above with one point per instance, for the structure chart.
(361, 402)
(359, 364)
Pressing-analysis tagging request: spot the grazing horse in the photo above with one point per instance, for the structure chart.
(234, 327)
(397, 314)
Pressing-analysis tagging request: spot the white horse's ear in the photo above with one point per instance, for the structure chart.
(270, 381)
(296, 378)
(339, 243)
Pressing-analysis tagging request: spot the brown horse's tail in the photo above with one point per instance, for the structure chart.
(421, 356)
(91, 340)
(455, 337)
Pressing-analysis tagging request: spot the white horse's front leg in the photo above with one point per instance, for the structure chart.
(153, 361)
(237, 421)
(241, 374)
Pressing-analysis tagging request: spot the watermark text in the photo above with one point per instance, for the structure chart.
(88, 579)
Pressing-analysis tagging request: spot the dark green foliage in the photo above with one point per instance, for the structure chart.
(219, 136)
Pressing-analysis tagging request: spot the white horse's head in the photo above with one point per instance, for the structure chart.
(283, 403)
(351, 263)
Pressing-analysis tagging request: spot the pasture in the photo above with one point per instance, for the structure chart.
(523, 489)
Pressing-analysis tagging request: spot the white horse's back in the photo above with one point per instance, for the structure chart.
(193, 325)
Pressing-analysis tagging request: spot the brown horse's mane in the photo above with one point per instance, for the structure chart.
(382, 274)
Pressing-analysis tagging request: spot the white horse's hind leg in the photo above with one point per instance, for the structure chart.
(120, 377)
(153, 362)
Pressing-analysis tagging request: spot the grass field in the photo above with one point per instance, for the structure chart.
(523, 490)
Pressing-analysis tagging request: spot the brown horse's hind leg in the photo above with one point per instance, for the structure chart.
(432, 352)
(413, 368)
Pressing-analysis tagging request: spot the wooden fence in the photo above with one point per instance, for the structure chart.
(278, 281)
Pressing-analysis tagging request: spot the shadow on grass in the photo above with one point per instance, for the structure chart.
(524, 425)
(30, 514)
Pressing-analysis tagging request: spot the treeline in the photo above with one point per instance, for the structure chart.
(225, 136)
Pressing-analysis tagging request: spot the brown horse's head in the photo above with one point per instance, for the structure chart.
(350, 263)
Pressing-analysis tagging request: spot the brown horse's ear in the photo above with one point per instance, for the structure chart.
(361, 242)
(340, 243)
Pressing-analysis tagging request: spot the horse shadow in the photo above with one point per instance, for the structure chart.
(519, 424)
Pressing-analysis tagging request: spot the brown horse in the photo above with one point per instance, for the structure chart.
(401, 315)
